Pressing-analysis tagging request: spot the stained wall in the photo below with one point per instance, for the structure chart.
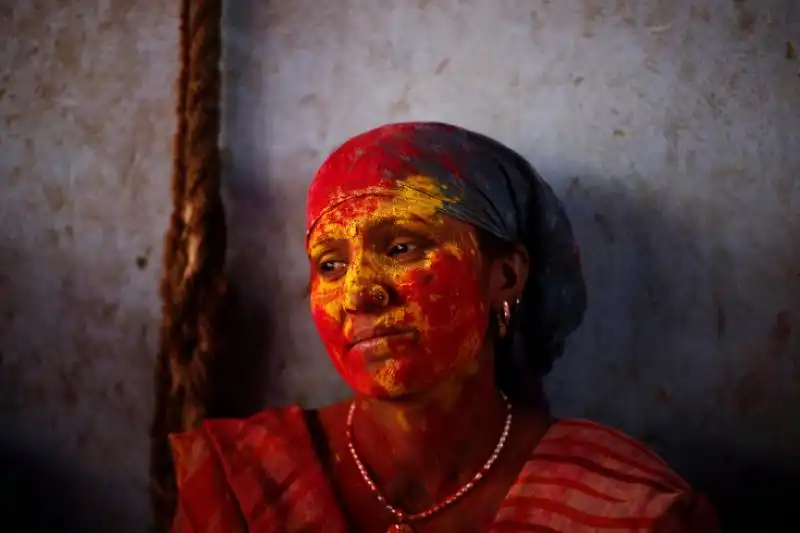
(86, 118)
(669, 128)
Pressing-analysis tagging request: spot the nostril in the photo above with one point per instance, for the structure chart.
(368, 297)
(379, 295)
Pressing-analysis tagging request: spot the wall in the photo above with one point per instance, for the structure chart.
(669, 128)
(85, 128)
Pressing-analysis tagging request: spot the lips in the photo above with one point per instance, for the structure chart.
(364, 336)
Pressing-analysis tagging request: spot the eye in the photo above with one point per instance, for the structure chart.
(407, 248)
(401, 248)
(331, 267)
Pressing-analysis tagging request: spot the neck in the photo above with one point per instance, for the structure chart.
(425, 448)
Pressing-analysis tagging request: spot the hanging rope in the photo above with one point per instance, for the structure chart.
(193, 287)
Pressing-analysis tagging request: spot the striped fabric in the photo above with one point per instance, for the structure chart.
(261, 475)
(585, 477)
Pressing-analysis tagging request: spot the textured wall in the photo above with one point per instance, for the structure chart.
(669, 127)
(85, 128)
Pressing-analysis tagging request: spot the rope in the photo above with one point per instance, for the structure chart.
(193, 287)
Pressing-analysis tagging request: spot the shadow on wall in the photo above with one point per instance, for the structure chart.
(265, 243)
(35, 492)
(41, 491)
(660, 355)
(37, 495)
(41, 488)
(752, 495)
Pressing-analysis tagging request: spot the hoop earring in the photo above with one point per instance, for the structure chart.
(504, 319)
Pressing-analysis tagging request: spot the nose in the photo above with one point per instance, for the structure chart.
(366, 297)
(366, 291)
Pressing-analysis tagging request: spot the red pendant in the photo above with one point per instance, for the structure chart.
(400, 528)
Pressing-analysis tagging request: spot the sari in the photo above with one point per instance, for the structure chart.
(263, 475)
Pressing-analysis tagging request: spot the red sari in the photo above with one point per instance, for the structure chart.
(262, 475)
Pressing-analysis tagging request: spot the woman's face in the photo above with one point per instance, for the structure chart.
(398, 294)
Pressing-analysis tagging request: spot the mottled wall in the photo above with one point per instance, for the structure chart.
(85, 126)
(670, 128)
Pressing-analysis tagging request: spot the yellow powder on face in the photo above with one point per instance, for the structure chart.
(454, 249)
(402, 421)
(386, 378)
(327, 298)
(393, 316)
(416, 199)
(424, 193)
(419, 196)
(360, 273)
(382, 346)
(397, 315)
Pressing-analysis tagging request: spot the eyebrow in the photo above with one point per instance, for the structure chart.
(318, 248)
(388, 222)
(373, 225)
(379, 224)
(325, 242)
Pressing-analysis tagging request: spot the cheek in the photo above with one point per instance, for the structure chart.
(450, 302)
(329, 318)
(327, 315)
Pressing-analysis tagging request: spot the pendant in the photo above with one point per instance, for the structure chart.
(400, 528)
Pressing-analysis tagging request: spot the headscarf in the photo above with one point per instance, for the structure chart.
(489, 186)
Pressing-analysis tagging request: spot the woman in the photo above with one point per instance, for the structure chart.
(444, 281)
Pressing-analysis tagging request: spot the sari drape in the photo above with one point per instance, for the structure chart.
(262, 475)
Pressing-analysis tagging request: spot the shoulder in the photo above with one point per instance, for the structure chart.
(234, 430)
(588, 476)
(601, 452)
(218, 441)
(262, 471)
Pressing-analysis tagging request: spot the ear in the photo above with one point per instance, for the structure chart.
(508, 274)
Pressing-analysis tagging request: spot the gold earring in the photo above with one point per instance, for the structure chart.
(504, 319)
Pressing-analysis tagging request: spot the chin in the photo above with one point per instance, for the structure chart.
(383, 388)
(378, 393)
(380, 390)
(399, 397)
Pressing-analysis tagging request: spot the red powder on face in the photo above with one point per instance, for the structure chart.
(373, 160)
(435, 311)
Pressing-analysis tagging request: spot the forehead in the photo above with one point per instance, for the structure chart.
(356, 216)
(423, 196)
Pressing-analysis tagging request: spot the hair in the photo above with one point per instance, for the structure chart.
(516, 374)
